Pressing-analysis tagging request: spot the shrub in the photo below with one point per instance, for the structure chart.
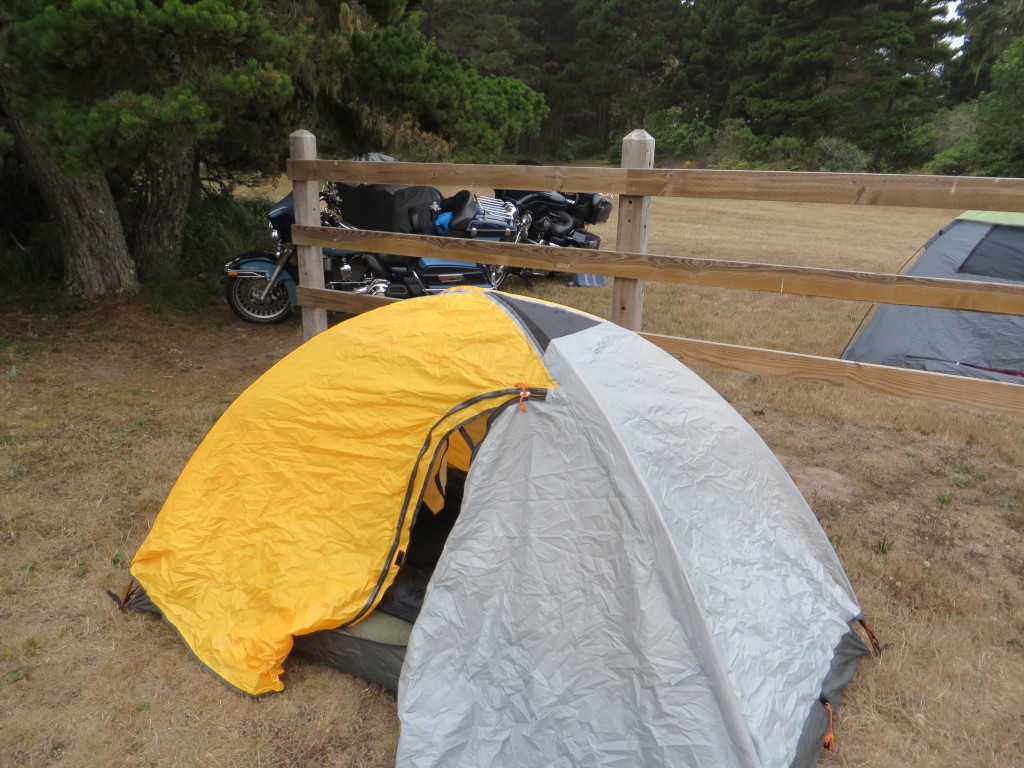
(963, 158)
(731, 145)
(580, 147)
(676, 136)
(955, 132)
(840, 156)
(217, 228)
(31, 260)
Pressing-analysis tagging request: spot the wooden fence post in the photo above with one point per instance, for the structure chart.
(306, 196)
(628, 294)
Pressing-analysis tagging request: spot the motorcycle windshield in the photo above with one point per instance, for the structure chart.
(282, 216)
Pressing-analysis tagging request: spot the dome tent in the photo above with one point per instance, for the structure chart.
(631, 577)
(986, 246)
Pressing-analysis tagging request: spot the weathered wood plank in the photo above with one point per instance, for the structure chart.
(340, 301)
(481, 177)
(307, 212)
(711, 273)
(914, 191)
(631, 233)
(880, 379)
(899, 382)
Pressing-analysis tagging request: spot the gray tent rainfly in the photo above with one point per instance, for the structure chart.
(985, 246)
(634, 580)
(621, 572)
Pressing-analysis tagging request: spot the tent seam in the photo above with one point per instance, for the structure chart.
(719, 666)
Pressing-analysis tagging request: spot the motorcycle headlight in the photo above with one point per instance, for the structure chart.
(275, 235)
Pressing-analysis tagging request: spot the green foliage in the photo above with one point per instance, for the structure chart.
(864, 78)
(988, 28)
(398, 71)
(1001, 113)
(133, 93)
(218, 228)
(718, 34)
(676, 136)
(964, 158)
(731, 145)
(792, 71)
(840, 156)
(622, 54)
(15, 674)
(955, 141)
(501, 40)
(30, 244)
(113, 83)
(385, 11)
(983, 137)
(602, 65)
(867, 74)
(579, 148)
(32, 261)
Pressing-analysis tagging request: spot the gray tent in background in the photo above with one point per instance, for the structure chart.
(978, 245)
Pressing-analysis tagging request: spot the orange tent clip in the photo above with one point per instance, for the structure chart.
(830, 738)
(523, 394)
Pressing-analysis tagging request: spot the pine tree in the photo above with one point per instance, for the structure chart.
(988, 28)
(116, 104)
(129, 89)
(864, 71)
(1001, 113)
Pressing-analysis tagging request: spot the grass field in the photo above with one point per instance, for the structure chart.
(100, 410)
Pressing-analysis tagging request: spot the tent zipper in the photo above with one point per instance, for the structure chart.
(516, 397)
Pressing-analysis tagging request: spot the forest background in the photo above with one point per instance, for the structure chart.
(127, 125)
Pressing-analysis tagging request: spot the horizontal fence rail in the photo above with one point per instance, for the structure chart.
(881, 379)
(998, 298)
(635, 185)
(952, 192)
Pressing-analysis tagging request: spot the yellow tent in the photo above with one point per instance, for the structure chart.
(294, 512)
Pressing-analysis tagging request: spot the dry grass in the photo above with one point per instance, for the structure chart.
(101, 410)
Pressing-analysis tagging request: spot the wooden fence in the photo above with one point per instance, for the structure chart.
(629, 264)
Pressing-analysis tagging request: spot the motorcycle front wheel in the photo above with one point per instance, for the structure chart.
(496, 274)
(244, 298)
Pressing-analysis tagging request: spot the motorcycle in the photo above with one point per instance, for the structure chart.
(260, 286)
(557, 219)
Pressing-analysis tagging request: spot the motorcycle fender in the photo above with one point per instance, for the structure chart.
(262, 265)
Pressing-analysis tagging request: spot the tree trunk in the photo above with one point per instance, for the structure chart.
(161, 225)
(96, 259)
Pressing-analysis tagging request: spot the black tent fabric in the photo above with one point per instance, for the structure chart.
(982, 246)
